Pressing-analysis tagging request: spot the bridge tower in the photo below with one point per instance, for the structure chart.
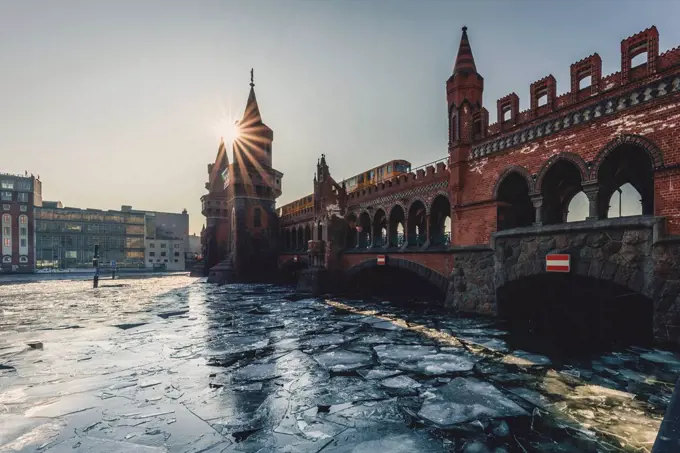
(250, 187)
(468, 119)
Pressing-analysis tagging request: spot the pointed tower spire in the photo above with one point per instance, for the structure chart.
(252, 113)
(465, 62)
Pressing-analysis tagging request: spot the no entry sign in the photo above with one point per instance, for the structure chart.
(381, 260)
(558, 262)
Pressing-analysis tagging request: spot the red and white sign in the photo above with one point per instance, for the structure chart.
(558, 262)
(381, 260)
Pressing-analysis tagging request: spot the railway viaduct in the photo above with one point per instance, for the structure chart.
(506, 190)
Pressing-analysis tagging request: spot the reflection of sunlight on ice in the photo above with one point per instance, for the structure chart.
(617, 414)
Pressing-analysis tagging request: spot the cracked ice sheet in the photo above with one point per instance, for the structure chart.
(465, 400)
(384, 438)
(342, 360)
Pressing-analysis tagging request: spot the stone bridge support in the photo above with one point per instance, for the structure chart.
(630, 252)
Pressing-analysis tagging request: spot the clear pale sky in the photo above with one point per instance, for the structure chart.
(115, 102)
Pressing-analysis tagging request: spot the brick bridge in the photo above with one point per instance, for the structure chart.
(480, 223)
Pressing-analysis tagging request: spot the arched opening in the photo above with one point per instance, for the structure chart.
(578, 207)
(286, 239)
(319, 232)
(416, 224)
(515, 208)
(440, 218)
(300, 239)
(351, 233)
(397, 219)
(627, 165)
(625, 201)
(308, 237)
(380, 229)
(585, 82)
(257, 218)
(396, 284)
(560, 183)
(569, 313)
(364, 230)
(293, 239)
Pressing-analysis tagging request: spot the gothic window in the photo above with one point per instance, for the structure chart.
(257, 218)
(454, 127)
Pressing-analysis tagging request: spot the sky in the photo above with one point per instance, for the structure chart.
(116, 103)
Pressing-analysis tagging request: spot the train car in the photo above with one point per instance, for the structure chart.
(375, 175)
(297, 206)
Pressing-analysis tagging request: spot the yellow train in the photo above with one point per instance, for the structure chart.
(297, 206)
(363, 179)
(377, 174)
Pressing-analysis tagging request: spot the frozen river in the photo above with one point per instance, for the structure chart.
(172, 364)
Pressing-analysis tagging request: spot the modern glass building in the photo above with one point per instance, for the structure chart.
(65, 237)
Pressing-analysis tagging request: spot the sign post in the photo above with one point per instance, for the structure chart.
(95, 263)
(113, 269)
(558, 262)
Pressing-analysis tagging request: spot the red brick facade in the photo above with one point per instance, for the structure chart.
(638, 106)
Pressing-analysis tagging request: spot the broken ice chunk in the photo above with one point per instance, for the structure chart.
(464, 400)
(342, 360)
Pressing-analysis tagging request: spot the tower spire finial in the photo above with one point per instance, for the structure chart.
(252, 78)
(465, 62)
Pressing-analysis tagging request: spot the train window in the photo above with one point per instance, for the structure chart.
(389, 168)
(361, 178)
(372, 175)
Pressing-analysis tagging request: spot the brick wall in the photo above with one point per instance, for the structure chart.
(439, 262)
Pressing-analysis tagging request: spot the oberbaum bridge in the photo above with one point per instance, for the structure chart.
(485, 231)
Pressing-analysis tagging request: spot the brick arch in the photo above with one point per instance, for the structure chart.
(391, 208)
(653, 151)
(569, 157)
(367, 212)
(523, 259)
(432, 276)
(413, 200)
(523, 172)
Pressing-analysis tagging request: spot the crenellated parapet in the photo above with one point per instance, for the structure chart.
(549, 113)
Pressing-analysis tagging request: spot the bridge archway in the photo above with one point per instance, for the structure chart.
(379, 228)
(625, 163)
(560, 180)
(397, 226)
(572, 313)
(515, 208)
(397, 280)
(440, 221)
(417, 225)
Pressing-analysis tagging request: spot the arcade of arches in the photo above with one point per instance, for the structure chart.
(424, 226)
(621, 185)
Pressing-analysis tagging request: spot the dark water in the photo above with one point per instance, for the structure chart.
(173, 364)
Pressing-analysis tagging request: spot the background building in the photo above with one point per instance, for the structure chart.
(19, 194)
(166, 238)
(65, 237)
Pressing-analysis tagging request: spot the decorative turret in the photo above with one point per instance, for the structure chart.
(465, 87)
